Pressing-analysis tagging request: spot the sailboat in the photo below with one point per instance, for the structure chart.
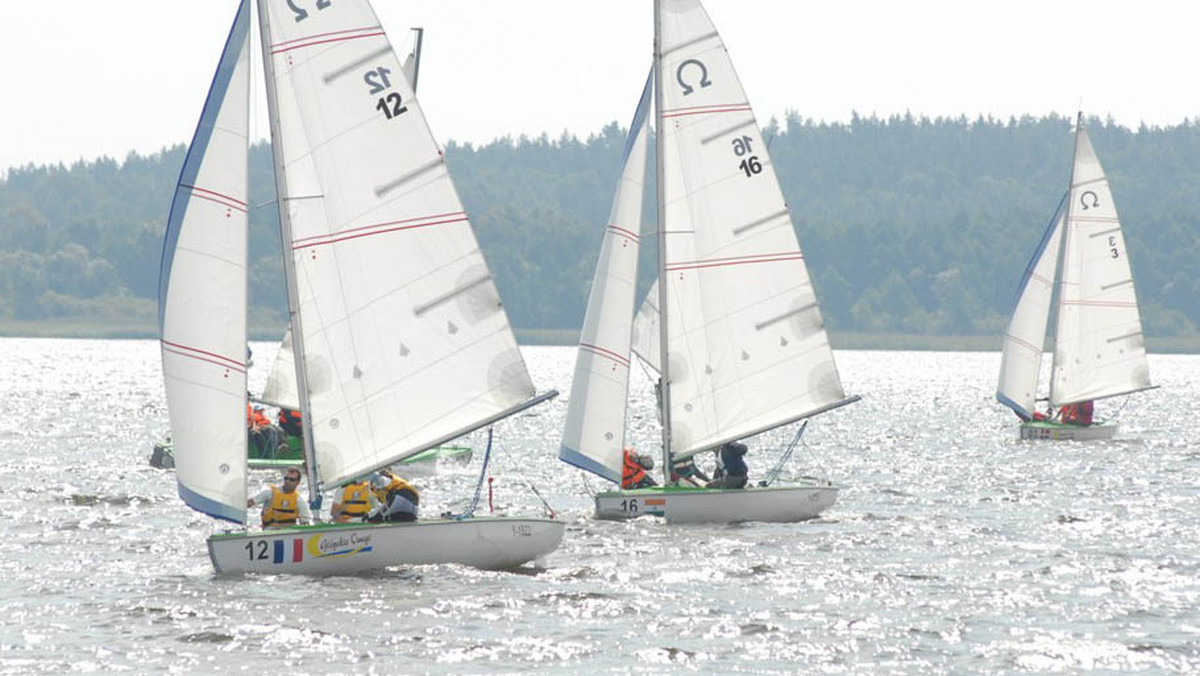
(285, 448)
(1099, 349)
(746, 347)
(400, 340)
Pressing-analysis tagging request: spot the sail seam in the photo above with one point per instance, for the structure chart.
(330, 77)
(313, 41)
(1023, 343)
(689, 43)
(623, 361)
(1128, 335)
(740, 260)
(203, 355)
(1097, 219)
(755, 224)
(1099, 303)
(444, 298)
(708, 139)
(377, 229)
(428, 166)
(782, 317)
(707, 110)
(627, 234)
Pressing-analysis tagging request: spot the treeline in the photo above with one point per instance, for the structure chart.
(909, 225)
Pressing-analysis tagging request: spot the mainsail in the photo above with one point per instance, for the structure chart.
(747, 347)
(1025, 339)
(1099, 347)
(394, 296)
(202, 294)
(595, 428)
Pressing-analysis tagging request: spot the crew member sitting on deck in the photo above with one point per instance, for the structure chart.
(687, 470)
(731, 469)
(283, 507)
(633, 471)
(1078, 414)
(354, 502)
(289, 422)
(400, 499)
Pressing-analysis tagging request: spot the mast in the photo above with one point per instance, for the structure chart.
(417, 58)
(1062, 257)
(289, 263)
(659, 180)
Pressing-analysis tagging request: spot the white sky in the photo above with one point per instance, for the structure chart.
(85, 78)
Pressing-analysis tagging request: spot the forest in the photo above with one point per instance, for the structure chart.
(909, 225)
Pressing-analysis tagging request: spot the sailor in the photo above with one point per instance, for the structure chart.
(282, 507)
(633, 470)
(289, 422)
(687, 470)
(354, 502)
(731, 471)
(400, 500)
(1079, 413)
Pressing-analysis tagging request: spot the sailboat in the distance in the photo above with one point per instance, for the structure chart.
(746, 347)
(1099, 348)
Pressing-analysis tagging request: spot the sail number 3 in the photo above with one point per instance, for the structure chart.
(751, 165)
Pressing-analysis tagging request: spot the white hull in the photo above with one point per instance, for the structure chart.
(681, 505)
(1056, 432)
(337, 549)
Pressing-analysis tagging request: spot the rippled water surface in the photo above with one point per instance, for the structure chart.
(953, 547)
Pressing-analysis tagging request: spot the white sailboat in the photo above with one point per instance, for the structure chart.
(1099, 349)
(399, 337)
(747, 348)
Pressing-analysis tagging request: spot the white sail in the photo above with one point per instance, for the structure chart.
(202, 295)
(747, 347)
(281, 389)
(645, 330)
(594, 433)
(1099, 347)
(1025, 339)
(406, 343)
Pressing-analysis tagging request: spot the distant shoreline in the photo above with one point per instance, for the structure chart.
(99, 330)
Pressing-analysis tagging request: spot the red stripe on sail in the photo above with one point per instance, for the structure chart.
(325, 42)
(725, 262)
(334, 239)
(620, 359)
(627, 234)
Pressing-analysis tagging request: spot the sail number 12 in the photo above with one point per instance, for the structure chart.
(391, 105)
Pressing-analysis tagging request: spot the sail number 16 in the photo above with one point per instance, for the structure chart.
(751, 165)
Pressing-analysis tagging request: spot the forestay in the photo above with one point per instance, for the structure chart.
(202, 295)
(747, 346)
(1025, 339)
(395, 297)
(1099, 349)
(594, 433)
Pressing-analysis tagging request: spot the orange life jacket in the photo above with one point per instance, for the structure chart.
(632, 473)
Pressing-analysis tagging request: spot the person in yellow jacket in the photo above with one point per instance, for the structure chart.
(400, 498)
(354, 502)
(283, 506)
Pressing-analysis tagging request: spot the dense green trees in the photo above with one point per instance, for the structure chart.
(909, 225)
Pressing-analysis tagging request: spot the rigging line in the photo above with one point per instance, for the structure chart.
(539, 495)
(470, 511)
(587, 485)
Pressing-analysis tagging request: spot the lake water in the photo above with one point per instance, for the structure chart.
(953, 547)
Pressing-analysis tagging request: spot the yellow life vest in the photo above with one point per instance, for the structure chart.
(356, 502)
(282, 510)
(399, 484)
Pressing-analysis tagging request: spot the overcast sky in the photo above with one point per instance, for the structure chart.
(85, 78)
